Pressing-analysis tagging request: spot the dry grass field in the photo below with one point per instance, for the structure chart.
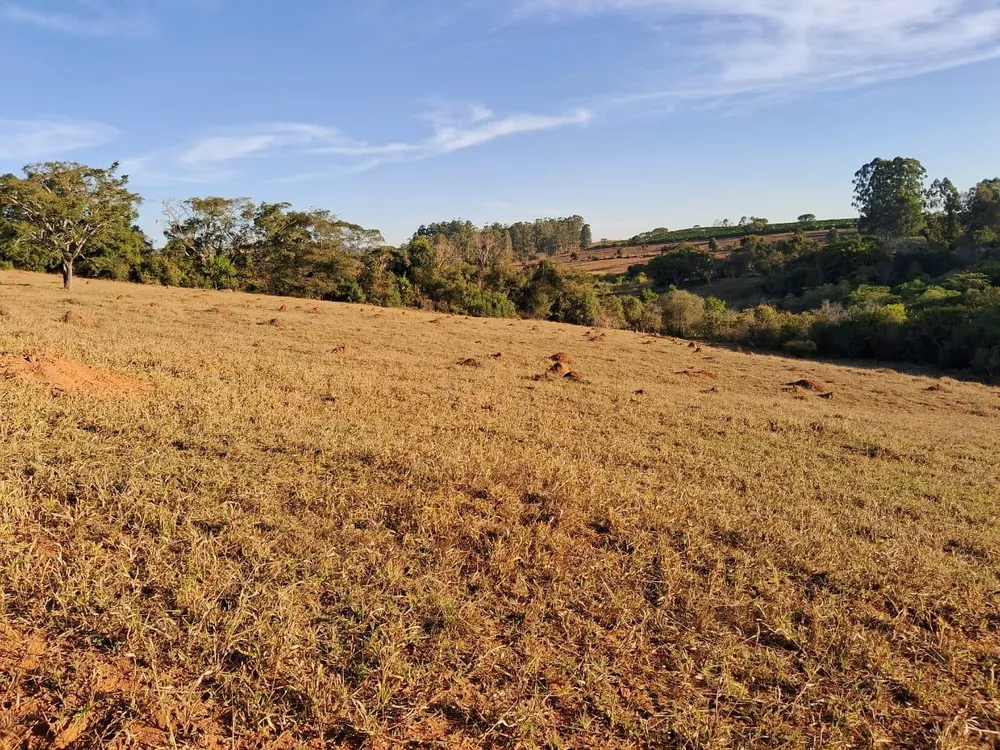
(224, 524)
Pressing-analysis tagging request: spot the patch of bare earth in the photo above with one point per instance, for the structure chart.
(75, 318)
(61, 374)
(808, 384)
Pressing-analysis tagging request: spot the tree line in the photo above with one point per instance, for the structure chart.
(921, 282)
(521, 240)
(724, 229)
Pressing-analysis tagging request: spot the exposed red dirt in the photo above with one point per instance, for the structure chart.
(808, 384)
(699, 374)
(66, 375)
(75, 318)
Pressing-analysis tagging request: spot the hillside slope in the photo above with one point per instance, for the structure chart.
(223, 524)
(606, 260)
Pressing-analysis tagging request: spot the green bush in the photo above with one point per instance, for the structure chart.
(801, 348)
(683, 312)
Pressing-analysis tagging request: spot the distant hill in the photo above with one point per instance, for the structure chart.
(703, 234)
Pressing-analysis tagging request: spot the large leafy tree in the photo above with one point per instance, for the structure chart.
(889, 194)
(218, 233)
(944, 206)
(982, 211)
(59, 212)
(304, 253)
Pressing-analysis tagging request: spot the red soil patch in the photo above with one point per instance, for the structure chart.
(66, 375)
(563, 357)
(699, 374)
(75, 318)
(808, 385)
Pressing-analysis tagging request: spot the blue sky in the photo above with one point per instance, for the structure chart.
(393, 113)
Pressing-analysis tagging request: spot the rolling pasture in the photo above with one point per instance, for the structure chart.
(229, 520)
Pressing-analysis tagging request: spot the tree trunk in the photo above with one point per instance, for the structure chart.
(67, 274)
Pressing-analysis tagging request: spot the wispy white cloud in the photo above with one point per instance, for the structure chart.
(81, 17)
(738, 47)
(453, 128)
(40, 139)
(458, 127)
(262, 140)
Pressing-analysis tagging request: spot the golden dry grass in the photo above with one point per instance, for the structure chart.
(334, 533)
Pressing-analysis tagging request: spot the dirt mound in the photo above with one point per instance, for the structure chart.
(66, 375)
(284, 308)
(828, 396)
(315, 311)
(563, 357)
(275, 322)
(220, 310)
(699, 374)
(807, 384)
(341, 349)
(597, 338)
(573, 375)
(75, 318)
(123, 296)
(559, 368)
(470, 362)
